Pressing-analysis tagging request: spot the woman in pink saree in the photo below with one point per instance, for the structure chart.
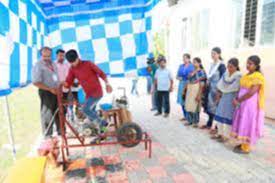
(249, 115)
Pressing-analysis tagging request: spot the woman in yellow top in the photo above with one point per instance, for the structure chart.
(249, 115)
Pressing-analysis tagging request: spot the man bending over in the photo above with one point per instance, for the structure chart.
(88, 74)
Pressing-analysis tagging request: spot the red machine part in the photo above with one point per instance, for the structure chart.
(65, 140)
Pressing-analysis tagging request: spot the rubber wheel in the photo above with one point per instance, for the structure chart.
(129, 132)
(89, 130)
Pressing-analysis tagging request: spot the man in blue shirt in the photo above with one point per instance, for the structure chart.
(164, 85)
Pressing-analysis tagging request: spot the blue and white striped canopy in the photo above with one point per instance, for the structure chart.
(114, 34)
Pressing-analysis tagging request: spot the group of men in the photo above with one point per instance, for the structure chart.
(48, 76)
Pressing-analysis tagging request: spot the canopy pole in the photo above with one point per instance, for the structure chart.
(11, 137)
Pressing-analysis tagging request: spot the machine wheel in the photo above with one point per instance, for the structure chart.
(89, 130)
(129, 132)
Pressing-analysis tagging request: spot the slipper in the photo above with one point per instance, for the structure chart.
(237, 147)
(222, 140)
(216, 137)
(240, 151)
(213, 132)
(187, 124)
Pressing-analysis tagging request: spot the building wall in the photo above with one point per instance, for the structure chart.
(217, 23)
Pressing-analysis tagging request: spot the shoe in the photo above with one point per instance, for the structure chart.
(166, 115)
(187, 124)
(87, 120)
(103, 129)
(158, 114)
(104, 123)
(96, 140)
(183, 119)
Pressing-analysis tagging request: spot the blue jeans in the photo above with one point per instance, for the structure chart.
(134, 87)
(154, 98)
(193, 117)
(149, 84)
(89, 110)
(184, 111)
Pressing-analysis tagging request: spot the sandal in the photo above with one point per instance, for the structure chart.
(239, 150)
(204, 127)
(183, 119)
(187, 124)
(237, 147)
(213, 131)
(195, 125)
(216, 137)
(222, 140)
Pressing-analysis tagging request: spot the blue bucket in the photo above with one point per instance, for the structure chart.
(106, 107)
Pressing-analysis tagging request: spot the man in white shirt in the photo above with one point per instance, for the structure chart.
(164, 85)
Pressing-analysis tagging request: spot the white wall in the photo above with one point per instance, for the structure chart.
(221, 27)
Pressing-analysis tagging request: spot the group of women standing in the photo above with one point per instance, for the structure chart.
(233, 102)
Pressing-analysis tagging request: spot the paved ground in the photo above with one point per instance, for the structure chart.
(180, 154)
(205, 159)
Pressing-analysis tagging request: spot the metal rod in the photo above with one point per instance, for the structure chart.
(150, 148)
(51, 122)
(11, 137)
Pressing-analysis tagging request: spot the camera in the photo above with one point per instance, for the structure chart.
(150, 61)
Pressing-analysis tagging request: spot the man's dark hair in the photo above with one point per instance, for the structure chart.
(161, 58)
(44, 48)
(60, 51)
(71, 56)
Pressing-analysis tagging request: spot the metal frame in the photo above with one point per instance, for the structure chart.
(66, 145)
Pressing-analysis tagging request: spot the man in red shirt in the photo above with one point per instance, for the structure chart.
(88, 74)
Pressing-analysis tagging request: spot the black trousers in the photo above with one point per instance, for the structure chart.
(210, 120)
(163, 101)
(48, 107)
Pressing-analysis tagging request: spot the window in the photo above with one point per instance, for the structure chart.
(184, 33)
(237, 22)
(250, 22)
(267, 36)
(200, 29)
(172, 2)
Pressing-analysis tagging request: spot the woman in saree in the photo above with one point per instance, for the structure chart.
(249, 116)
(228, 88)
(184, 70)
(194, 90)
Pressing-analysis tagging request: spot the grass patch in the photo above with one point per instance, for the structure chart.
(25, 116)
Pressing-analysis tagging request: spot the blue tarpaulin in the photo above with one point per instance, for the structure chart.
(114, 34)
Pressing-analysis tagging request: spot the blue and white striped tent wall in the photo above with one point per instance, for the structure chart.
(22, 33)
(116, 35)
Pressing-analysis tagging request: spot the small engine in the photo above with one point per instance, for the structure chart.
(121, 102)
